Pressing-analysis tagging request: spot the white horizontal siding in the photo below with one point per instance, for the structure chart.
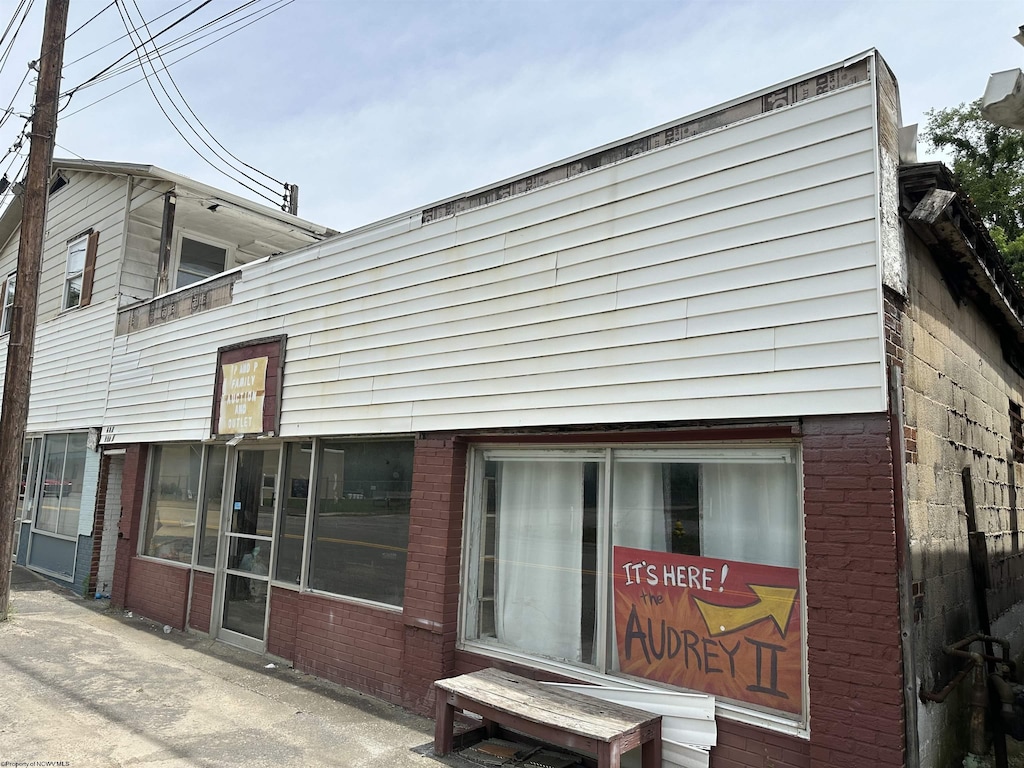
(71, 369)
(88, 201)
(732, 275)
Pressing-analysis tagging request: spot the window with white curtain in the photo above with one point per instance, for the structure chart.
(678, 565)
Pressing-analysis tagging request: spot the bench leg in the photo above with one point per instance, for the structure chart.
(444, 725)
(650, 752)
(609, 754)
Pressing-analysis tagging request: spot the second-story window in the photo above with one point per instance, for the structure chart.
(198, 260)
(81, 267)
(74, 272)
(8, 305)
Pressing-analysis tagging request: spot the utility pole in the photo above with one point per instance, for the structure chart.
(23, 316)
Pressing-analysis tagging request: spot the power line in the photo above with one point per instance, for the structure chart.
(118, 39)
(27, 5)
(203, 126)
(179, 43)
(284, 3)
(141, 44)
(95, 16)
(138, 50)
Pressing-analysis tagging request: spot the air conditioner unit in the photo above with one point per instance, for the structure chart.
(1003, 102)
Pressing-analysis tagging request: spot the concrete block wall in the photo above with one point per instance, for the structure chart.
(957, 391)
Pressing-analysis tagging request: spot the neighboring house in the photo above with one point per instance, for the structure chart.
(116, 234)
(702, 411)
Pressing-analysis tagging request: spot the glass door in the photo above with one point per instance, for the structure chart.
(247, 539)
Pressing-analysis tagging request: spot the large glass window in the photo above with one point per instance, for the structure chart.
(679, 566)
(171, 513)
(361, 519)
(292, 523)
(60, 487)
(209, 506)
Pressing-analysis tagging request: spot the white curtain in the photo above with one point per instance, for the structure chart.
(638, 506)
(749, 513)
(539, 552)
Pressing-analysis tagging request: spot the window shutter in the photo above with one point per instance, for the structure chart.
(90, 269)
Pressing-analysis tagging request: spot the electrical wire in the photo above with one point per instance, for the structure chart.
(95, 16)
(178, 43)
(7, 112)
(284, 3)
(207, 130)
(119, 39)
(27, 5)
(135, 50)
(138, 50)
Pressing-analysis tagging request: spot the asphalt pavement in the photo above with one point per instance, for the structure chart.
(84, 685)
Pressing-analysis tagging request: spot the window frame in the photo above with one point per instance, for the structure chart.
(7, 310)
(39, 488)
(603, 674)
(87, 273)
(311, 523)
(79, 274)
(175, 267)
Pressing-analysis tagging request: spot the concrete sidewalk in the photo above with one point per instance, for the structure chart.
(91, 687)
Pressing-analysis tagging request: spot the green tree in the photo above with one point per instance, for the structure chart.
(988, 161)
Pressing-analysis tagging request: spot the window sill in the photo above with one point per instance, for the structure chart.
(727, 710)
(163, 561)
(387, 607)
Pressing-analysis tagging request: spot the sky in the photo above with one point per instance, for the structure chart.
(377, 107)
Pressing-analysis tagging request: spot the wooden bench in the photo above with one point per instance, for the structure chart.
(551, 715)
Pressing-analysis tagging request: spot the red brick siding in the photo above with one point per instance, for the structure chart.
(285, 606)
(352, 644)
(97, 524)
(431, 603)
(744, 746)
(202, 601)
(158, 591)
(853, 625)
(133, 486)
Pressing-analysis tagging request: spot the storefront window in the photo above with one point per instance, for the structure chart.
(171, 512)
(292, 523)
(361, 519)
(60, 488)
(209, 505)
(679, 566)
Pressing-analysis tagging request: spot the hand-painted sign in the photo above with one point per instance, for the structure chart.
(728, 628)
(242, 394)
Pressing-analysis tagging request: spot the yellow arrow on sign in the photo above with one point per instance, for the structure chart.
(775, 603)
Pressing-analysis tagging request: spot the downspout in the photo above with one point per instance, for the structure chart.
(903, 564)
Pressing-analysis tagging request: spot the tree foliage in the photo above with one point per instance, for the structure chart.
(988, 161)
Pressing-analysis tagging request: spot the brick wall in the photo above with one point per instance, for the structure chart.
(158, 591)
(202, 601)
(432, 576)
(349, 643)
(133, 485)
(853, 628)
(285, 606)
(98, 525)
